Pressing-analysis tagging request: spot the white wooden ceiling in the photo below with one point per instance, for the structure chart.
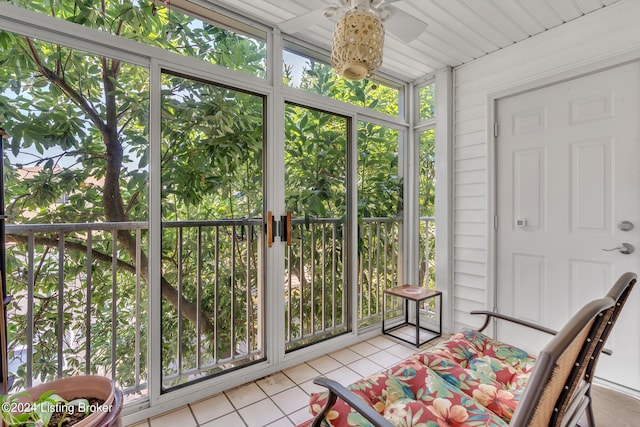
(458, 31)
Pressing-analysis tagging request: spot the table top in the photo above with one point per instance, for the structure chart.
(412, 292)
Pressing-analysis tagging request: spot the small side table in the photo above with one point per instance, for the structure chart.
(417, 294)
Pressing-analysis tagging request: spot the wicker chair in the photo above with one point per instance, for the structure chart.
(558, 390)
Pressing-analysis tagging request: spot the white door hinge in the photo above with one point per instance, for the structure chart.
(495, 129)
(495, 222)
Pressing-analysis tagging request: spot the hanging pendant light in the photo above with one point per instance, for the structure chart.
(358, 39)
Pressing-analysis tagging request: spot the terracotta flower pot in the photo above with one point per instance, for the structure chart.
(107, 414)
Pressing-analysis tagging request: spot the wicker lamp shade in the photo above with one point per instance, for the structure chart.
(358, 39)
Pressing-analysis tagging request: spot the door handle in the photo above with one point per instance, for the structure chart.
(269, 229)
(289, 229)
(285, 228)
(624, 248)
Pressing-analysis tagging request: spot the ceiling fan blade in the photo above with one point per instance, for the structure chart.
(299, 23)
(403, 25)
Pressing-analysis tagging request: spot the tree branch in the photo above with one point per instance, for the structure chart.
(53, 242)
(54, 78)
(124, 126)
(189, 310)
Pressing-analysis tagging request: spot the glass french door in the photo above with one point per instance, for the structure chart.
(316, 186)
(212, 240)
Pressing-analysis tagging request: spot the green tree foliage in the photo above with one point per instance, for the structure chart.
(212, 170)
(379, 180)
(427, 185)
(380, 183)
(315, 161)
(316, 195)
(156, 24)
(78, 134)
(318, 77)
(79, 126)
(426, 100)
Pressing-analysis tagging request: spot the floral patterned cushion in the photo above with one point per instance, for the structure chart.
(466, 347)
(409, 394)
(493, 373)
(485, 389)
(468, 380)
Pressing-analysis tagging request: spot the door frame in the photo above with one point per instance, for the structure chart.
(158, 398)
(493, 97)
(273, 314)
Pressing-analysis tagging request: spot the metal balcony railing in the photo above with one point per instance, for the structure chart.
(69, 309)
(214, 267)
(315, 293)
(379, 266)
(81, 298)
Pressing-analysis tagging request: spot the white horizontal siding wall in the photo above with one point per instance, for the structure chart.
(601, 39)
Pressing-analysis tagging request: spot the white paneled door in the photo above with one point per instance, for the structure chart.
(568, 192)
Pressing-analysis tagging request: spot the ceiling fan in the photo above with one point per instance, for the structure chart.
(402, 25)
(358, 36)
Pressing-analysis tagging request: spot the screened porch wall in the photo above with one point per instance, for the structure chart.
(76, 338)
(382, 256)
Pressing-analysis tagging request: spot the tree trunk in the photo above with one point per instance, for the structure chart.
(112, 196)
(114, 206)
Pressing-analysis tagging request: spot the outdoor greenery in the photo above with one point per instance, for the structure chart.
(427, 186)
(79, 154)
(212, 145)
(320, 78)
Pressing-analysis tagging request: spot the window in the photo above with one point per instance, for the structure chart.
(426, 119)
(380, 207)
(166, 27)
(313, 75)
(427, 102)
(427, 186)
(316, 298)
(80, 292)
(212, 186)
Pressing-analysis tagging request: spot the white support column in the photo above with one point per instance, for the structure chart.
(411, 214)
(444, 193)
(155, 233)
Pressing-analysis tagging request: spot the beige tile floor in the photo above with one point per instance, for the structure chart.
(281, 399)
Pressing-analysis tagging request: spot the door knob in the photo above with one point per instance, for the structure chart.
(624, 248)
(625, 225)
